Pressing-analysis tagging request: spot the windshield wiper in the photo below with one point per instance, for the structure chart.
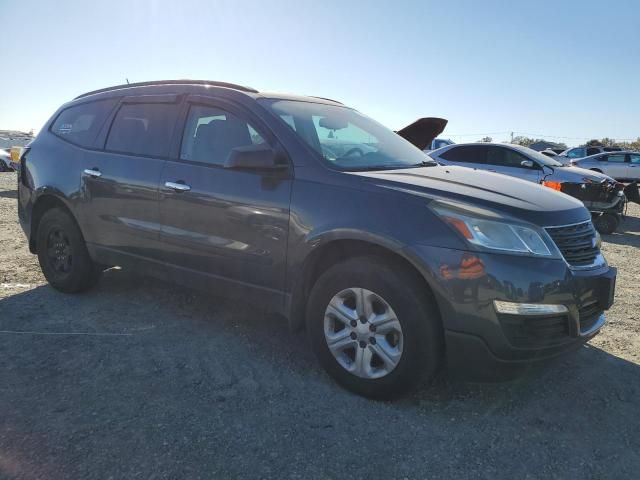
(426, 163)
(367, 168)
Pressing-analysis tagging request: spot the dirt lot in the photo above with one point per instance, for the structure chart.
(137, 379)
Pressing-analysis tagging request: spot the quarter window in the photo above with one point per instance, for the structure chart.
(143, 129)
(80, 124)
(211, 133)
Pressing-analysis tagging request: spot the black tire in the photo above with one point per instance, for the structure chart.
(415, 308)
(79, 272)
(606, 223)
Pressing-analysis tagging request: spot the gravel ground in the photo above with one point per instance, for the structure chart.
(137, 379)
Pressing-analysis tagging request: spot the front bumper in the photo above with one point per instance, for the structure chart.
(481, 341)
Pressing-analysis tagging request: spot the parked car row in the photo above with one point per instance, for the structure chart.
(395, 265)
(600, 193)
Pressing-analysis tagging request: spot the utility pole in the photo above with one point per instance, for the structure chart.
(511, 137)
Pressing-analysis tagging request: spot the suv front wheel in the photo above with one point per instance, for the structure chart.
(374, 327)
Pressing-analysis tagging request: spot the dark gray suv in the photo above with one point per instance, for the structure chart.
(395, 266)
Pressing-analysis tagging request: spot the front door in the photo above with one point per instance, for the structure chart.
(226, 225)
(633, 172)
(617, 166)
(509, 162)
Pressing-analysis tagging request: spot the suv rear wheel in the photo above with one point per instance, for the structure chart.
(374, 328)
(62, 253)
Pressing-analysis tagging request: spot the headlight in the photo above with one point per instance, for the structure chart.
(493, 234)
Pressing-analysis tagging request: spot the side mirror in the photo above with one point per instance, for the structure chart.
(527, 163)
(255, 157)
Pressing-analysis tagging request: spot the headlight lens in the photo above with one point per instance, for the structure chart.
(493, 234)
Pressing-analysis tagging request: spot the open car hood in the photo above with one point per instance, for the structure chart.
(422, 132)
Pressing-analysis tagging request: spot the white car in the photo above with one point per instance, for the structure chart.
(623, 166)
(515, 161)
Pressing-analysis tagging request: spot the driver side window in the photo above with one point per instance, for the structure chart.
(576, 153)
(505, 157)
(211, 133)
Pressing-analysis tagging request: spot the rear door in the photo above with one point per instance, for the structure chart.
(509, 162)
(633, 172)
(120, 182)
(227, 226)
(617, 166)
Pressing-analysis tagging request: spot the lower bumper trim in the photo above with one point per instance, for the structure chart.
(470, 358)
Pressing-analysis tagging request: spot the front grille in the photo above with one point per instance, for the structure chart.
(589, 314)
(535, 332)
(577, 243)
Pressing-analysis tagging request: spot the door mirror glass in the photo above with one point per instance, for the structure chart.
(527, 163)
(255, 157)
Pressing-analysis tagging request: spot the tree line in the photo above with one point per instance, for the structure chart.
(603, 142)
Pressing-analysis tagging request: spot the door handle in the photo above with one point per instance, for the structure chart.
(178, 186)
(93, 172)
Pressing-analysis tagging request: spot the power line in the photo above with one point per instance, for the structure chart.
(538, 135)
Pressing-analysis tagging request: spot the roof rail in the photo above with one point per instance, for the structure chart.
(171, 82)
(328, 99)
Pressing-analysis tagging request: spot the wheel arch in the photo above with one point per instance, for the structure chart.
(338, 247)
(45, 202)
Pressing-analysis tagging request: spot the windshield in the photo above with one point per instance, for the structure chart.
(539, 157)
(347, 139)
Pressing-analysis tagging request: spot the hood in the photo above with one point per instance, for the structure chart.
(422, 132)
(525, 200)
(575, 174)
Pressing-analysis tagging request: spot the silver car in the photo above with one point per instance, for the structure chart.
(580, 152)
(514, 160)
(619, 165)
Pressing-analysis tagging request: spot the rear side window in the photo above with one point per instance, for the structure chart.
(80, 124)
(143, 129)
(467, 154)
(211, 133)
(615, 158)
